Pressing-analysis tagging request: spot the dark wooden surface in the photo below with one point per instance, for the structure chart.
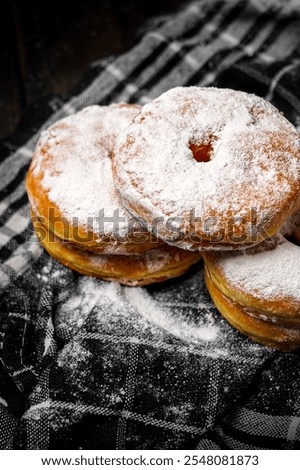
(46, 47)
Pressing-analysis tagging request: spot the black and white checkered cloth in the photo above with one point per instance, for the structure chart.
(93, 365)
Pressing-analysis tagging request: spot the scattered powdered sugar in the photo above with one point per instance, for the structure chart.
(254, 163)
(153, 316)
(171, 329)
(49, 271)
(115, 302)
(48, 338)
(3, 402)
(73, 356)
(272, 274)
(37, 411)
(77, 307)
(163, 317)
(76, 167)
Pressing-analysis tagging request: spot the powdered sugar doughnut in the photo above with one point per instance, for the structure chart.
(258, 290)
(209, 168)
(155, 265)
(70, 184)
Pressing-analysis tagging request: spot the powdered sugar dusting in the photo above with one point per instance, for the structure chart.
(115, 302)
(255, 162)
(3, 402)
(74, 155)
(178, 315)
(272, 274)
(165, 319)
(84, 301)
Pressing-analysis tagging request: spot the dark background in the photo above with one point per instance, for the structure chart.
(47, 46)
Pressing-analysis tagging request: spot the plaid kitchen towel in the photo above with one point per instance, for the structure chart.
(94, 365)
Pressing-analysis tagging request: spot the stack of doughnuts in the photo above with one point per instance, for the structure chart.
(257, 291)
(76, 213)
(197, 172)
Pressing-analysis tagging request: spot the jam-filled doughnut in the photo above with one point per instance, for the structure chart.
(208, 168)
(70, 185)
(258, 290)
(155, 265)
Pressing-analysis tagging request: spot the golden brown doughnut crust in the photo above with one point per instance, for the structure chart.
(156, 265)
(69, 181)
(230, 272)
(284, 336)
(258, 290)
(238, 191)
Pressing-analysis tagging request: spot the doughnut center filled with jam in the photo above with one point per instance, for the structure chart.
(201, 153)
